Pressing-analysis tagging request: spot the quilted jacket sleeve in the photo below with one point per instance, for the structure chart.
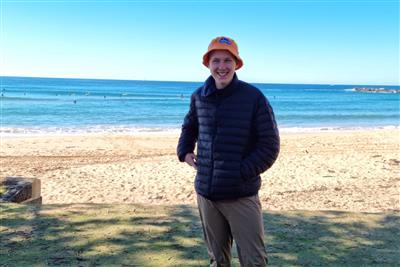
(267, 143)
(189, 132)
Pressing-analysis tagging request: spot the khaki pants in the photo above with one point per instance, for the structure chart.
(240, 219)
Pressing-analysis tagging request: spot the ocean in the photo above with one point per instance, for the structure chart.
(31, 106)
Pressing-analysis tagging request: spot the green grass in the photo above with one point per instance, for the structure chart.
(3, 189)
(137, 235)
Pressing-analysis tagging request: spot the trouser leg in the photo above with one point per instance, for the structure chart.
(246, 222)
(217, 233)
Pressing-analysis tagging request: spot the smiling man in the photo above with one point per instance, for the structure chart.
(237, 139)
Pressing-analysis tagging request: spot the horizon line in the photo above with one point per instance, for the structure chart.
(147, 80)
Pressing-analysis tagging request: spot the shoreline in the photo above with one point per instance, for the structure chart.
(15, 132)
(338, 170)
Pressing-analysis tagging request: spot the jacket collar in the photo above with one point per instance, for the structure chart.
(209, 87)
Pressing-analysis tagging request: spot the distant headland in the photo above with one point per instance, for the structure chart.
(376, 90)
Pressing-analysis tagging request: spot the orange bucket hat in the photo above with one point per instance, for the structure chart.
(223, 43)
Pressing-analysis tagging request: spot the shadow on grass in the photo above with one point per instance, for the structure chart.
(332, 238)
(91, 235)
(136, 235)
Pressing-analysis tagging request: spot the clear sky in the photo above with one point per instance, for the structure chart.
(288, 41)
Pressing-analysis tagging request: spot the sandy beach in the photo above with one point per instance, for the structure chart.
(336, 170)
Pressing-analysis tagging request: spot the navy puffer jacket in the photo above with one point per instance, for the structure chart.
(237, 139)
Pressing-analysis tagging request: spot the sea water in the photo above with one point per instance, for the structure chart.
(54, 105)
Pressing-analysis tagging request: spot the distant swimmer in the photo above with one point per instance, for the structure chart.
(104, 96)
(182, 96)
(75, 101)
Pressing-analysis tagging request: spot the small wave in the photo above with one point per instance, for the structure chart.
(149, 130)
(15, 98)
(100, 129)
(335, 128)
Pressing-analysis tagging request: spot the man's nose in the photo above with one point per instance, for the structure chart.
(221, 65)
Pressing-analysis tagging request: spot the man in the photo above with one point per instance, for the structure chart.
(237, 139)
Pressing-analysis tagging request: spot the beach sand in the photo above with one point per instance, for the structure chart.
(337, 170)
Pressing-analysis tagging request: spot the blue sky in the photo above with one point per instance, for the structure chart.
(334, 42)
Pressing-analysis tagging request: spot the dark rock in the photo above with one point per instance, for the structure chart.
(376, 90)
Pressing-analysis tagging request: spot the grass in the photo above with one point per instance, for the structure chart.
(138, 235)
(3, 189)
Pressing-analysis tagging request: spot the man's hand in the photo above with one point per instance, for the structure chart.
(191, 159)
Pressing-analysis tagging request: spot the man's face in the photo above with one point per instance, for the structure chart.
(222, 67)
